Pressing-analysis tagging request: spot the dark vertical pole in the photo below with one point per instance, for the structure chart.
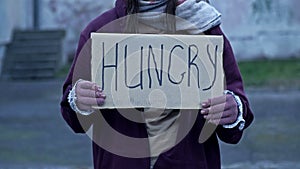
(36, 14)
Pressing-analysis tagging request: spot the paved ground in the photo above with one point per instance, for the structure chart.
(33, 134)
(274, 138)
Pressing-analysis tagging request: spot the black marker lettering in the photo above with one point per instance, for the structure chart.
(141, 73)
(191, 63)
(214, 63)
(110, 66)
(158, 73)
(169, 67)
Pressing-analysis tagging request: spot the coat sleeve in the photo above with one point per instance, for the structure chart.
(234, 83)
(80, 69)
(68, 114)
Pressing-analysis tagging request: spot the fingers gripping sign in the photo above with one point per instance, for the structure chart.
(89, 94)
(220, 110)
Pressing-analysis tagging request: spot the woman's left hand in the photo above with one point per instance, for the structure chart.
(220, 110)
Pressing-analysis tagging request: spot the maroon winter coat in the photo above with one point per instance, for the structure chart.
(189, 153)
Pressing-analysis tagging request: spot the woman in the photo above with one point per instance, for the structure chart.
(230, 113)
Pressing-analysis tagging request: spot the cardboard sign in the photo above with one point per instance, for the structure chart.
(157, 70)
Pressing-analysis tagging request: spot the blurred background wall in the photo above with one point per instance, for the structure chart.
(70, 15)
(262, 28)
(256, 28)
(14, 14)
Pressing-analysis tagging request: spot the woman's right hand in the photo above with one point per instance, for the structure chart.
(88, 94)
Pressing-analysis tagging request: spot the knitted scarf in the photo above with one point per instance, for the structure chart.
(193, 16)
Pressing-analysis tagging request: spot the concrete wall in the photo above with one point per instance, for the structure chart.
(262, 28)
(14, 14)
(256, 28)
(18, 14)
(71, 15)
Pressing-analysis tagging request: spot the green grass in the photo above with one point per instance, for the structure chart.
(271, 73)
